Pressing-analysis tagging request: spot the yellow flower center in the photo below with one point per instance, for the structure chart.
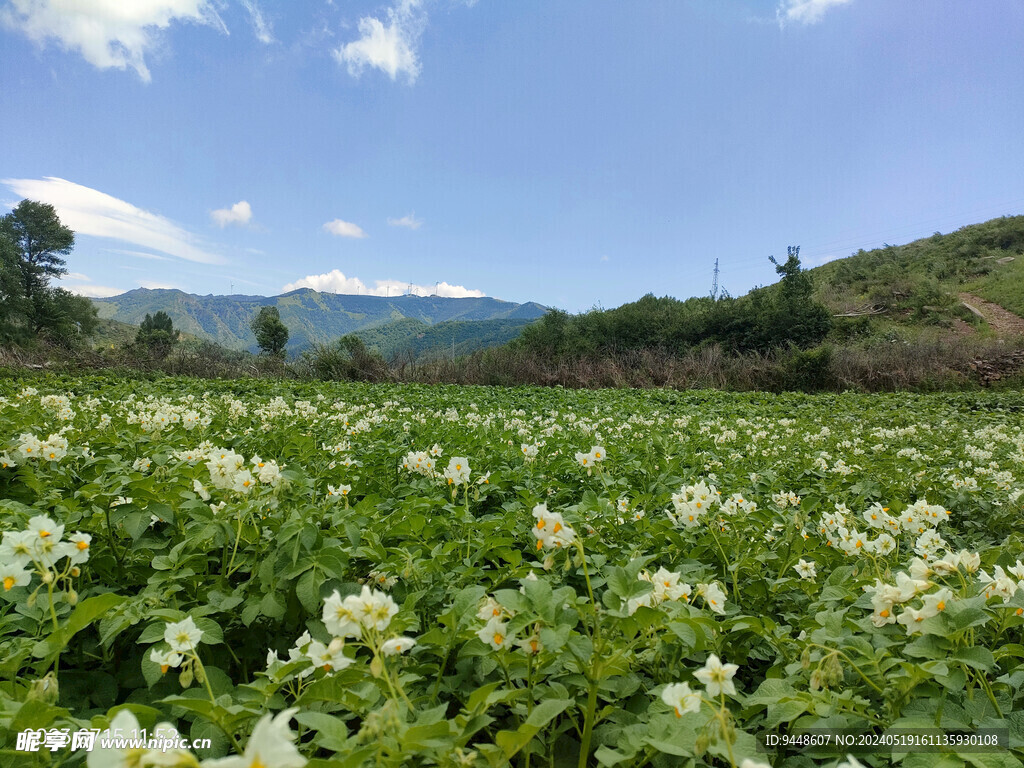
(43, 534)
(82, 545)
(498, 638)
(8, 583)
(941, 605)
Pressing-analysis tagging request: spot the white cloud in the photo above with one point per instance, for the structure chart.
(409, 222)
(94, 291)
(239, 213)
(605, 257)
(388, 46)
(344, 228)
(108, 33)
(137, 254)
(91, 212)
(805, 11)
(260, 25)
(335, 281)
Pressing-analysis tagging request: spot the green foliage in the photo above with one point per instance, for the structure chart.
(347, 359)
(32, 243)
(271, 334)
(157, 335)
(929, 272)
(41, 240)
(787, 315)
(257, 518)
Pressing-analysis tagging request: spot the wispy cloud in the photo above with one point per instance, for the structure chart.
(82, 285)
(388, 45)
(344, 229)
(94, 291)
(91, 212)
(109, 34)
(335, 281)
(260, 26)
(239, 213)
(805, 11)
(137, 254)
(409, 222)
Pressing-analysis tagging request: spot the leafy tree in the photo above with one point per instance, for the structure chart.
(271, 334)
(796, 318)
(13, 307)
(40, 240)
(157, 335)
(33, 242)
(68, 316)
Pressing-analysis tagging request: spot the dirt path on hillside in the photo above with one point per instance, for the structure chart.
(1002, 321)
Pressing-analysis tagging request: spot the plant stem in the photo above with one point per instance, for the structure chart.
(588, 724)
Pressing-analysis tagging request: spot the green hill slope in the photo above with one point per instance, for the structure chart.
(311, 317)
(919, 282)
(418, 340)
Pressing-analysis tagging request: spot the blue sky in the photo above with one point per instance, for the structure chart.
(575, 153)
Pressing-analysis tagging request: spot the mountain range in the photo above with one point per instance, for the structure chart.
(313, 317)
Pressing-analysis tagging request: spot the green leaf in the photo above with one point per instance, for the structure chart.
(684, 632)
(85, 613)
(512, 742)
(976, 657)
(212, 633)
(308, 590)
(136, 523)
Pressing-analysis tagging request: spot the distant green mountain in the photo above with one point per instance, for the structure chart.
(312, 317)
(419, 341)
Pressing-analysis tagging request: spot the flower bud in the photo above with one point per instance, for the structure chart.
(72, 597)
(76, 571)
(47, 577)
(45, 689)
(700, 746)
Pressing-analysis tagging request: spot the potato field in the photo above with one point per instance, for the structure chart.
(261, 574)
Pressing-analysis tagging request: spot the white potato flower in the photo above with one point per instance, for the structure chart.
(270, 746)
(717, 677)
(397, 645)
(681, 698)
(183, 635)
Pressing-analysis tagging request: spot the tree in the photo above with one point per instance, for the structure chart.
(271, 334)
(157, 335)
(796, 317)
(40, 240)
(13, 307)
